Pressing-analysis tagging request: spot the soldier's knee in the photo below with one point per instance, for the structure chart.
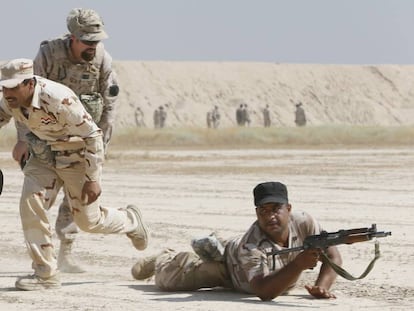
(176, 273)
(186, 271)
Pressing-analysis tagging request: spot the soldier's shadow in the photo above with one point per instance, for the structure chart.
(212, 294)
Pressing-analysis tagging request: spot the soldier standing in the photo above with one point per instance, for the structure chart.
(300, 117)
(266, 116)
(246, 116)
(69, 154)
(163, 116)
(156, 118)
(79, 61)
(139, 117)
(208, 119)
(215, 117)
(239, 115)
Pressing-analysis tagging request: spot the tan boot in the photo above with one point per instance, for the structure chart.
(140, 235)
(66, 262)
(145, 267)
(34, 282)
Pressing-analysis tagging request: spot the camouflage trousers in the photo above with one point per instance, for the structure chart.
(65, 226)
(186, 271)
(42, 182)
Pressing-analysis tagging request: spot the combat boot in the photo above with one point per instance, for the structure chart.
(34, 282)
(66, 262)
(145, 267)
(140, 235)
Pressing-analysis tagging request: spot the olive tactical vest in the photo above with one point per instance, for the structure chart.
(82, 78)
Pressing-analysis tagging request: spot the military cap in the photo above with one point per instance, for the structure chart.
(15, 72)
(86, 24)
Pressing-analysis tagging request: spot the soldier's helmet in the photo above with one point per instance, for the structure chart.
(86, 24)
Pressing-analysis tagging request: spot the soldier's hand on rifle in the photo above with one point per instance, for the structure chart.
(319, 292)
(308, 259)
(90, 192)
(20, 151)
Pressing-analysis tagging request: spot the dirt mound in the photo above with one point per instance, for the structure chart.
(331, 94)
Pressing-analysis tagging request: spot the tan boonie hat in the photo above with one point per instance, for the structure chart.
(15, 72)
(86, 24)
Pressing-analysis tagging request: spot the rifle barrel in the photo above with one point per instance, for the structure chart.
(381, 234)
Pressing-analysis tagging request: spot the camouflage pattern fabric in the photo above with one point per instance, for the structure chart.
(86, 24)
(246, 256)
(57, 117)
(56, 62)
(93, 103)
(186, 271)
(40, 149)
(208, 248)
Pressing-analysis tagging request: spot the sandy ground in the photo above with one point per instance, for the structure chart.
(189, 193)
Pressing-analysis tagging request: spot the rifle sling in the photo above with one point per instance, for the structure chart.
(345, 274)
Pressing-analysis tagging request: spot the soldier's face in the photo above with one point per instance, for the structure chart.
(20, 95)
(89, 51)
(273, 218)
(86, 49)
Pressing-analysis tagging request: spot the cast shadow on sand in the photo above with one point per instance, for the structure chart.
(220, 294)
(16, 275)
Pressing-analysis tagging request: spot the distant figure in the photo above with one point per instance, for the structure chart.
(266, 116)
(163, 116)
(246, 116)
(239, 115)
(209, 119)
(215, 117)
(300, 117)
(139, 117)
(156, 118)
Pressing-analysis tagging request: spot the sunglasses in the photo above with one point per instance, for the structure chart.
(89, 43)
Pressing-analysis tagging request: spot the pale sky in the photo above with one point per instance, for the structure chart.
(281, 31)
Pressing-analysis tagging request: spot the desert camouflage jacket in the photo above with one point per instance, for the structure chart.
(246, 256)
(57, 116)
(55, 61)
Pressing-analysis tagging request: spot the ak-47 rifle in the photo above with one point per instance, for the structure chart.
(325, 239)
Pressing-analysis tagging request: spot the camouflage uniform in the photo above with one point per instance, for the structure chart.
(244, 258)
(94, 82)
(75, 150)
(91, 81)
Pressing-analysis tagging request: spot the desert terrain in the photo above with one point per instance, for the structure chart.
(331, 94)
(188, 193)
(350, 167)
